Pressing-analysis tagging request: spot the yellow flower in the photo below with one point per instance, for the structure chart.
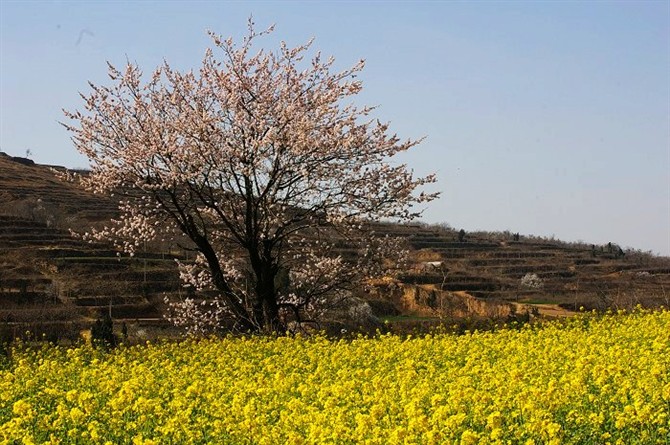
(469, 437)
(76, 415)
(591, 376)
(21, 408)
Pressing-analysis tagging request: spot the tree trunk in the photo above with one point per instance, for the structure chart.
(266, 307)
(242, 320)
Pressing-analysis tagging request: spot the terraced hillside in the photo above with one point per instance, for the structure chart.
(51, 282)
(55, 284)
(35, 193)
(492, 267)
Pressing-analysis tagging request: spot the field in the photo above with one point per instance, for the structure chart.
(585, 380)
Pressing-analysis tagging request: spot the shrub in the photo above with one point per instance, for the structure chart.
(102, 332)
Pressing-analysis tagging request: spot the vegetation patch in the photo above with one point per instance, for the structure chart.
(586, 380)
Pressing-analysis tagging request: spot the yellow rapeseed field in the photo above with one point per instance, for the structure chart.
(590, 380)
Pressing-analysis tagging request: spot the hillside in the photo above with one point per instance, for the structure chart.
(54, 284)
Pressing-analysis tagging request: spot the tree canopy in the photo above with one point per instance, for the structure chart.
(257, 158)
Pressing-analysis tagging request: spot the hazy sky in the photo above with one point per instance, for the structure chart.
(545, 118)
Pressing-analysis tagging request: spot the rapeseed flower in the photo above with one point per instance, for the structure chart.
(589, 380)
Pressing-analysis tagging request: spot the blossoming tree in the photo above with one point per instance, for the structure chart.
(257, 160)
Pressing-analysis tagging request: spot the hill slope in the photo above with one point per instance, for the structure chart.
(51, 282)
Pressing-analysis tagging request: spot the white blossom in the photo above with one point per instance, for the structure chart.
(259, 159)
(532, 281)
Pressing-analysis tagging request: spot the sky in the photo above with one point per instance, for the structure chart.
(547, 118)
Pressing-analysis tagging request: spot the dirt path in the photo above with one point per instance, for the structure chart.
(547, 310)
